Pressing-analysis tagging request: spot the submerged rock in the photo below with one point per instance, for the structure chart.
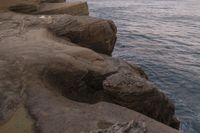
(63, 85)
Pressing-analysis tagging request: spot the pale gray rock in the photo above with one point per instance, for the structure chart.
(128, 127)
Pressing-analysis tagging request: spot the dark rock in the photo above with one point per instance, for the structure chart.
(98, 35)
(52, 1)
(24, 8)
(140, 95)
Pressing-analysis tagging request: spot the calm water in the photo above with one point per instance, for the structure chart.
(163, 37)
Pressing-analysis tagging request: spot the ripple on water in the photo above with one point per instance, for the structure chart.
(161, 36)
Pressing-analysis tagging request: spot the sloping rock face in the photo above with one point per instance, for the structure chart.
(98, 35)
(62, 84)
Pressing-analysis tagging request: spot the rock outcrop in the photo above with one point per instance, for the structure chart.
(6, 4)
(98, 35)
(59, 68)
(75, 8)
(128, 127)
(45, 7)
(52, 1)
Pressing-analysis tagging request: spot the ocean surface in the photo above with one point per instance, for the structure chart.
(163, 38)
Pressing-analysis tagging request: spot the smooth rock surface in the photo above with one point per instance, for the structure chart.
(6, 4)
(63, 84)
(20, 122)
(72, 8)
(45, 7)
(52, 1)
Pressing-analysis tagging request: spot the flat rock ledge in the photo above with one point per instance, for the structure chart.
(46, 7)
(57, 76)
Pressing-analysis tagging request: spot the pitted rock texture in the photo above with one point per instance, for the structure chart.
(61, 83)
(128, 127)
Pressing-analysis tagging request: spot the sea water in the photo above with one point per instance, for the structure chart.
(163, 38)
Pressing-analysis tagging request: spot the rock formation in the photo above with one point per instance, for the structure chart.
(128, 127)
(45, 7)
(75, 8)
(6, 4)
(59, 69)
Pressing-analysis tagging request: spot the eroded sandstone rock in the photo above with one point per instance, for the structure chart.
(45, 7)
(62, 83)
(20, 122)
(128, 127)
(52, 1)
(72, 8)
(98, 35)
(6, 4)
(24, 8)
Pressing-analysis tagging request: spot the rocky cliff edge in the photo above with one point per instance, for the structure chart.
(57, 76)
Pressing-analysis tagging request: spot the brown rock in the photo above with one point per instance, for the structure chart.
(52, 1)
(72, 8)
(140, 95)
(24, 8)
(6, 4)
(98, 35)
(20, 122)
(45, 7)
(62, 83)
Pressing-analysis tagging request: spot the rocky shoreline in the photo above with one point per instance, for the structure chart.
(57, 69)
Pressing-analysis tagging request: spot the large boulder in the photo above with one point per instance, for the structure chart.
(89, 32)
(42, 67)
